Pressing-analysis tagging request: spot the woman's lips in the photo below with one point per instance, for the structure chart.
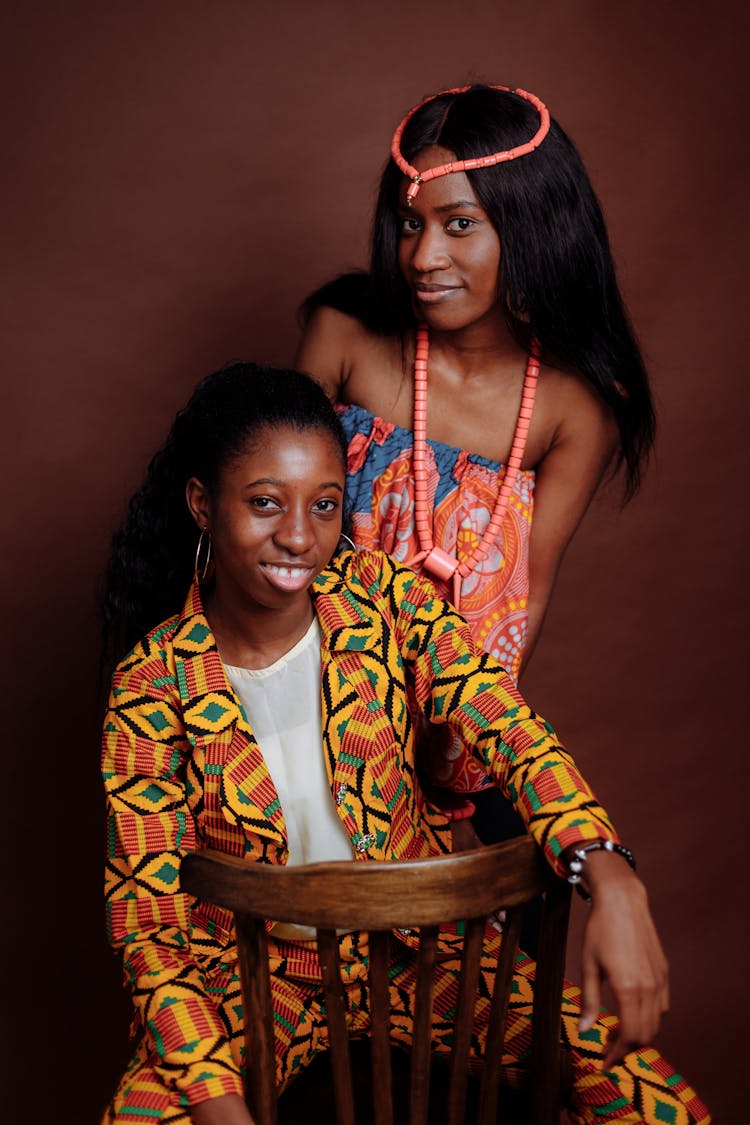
(434, 294)
(288, 577)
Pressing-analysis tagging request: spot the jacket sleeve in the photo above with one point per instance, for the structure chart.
(149, 829)
(457, 683)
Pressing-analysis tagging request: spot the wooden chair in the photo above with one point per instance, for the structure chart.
(380, 897)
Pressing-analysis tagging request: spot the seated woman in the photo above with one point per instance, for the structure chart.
(266, 717)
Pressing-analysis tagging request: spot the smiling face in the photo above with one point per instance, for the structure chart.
(275, 520)
(449, 251)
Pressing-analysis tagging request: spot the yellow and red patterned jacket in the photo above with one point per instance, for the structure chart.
(182, 770)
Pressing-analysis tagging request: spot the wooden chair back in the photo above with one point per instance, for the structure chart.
(380, 897)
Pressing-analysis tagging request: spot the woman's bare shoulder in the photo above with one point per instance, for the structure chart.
(325, 348)
(342, 353)
(569, 407)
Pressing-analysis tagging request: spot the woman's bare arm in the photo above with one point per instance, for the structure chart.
(582, 446)
(325, 347)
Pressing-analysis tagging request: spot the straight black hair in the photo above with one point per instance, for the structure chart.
(557, 277)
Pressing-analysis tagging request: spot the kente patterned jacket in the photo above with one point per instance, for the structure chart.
(182, 770)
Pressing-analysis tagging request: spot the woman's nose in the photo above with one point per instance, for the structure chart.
(294, 532)
(430, 252)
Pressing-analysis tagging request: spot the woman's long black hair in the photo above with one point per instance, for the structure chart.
(557, 276)
(152, 558)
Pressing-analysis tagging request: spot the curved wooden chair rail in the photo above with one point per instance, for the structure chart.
(380, 897)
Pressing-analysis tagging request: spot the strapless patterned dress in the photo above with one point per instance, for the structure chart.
(462, 488)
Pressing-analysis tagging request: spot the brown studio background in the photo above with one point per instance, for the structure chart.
(177, 177)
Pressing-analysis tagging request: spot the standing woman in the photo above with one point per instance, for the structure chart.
(486, 368)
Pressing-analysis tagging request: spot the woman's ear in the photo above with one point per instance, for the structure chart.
(199, 503)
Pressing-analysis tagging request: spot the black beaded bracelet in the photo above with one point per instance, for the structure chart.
(578, 858)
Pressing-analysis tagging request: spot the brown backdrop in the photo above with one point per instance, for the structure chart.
(178, 176)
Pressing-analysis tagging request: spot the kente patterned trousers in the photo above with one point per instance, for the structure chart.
(643, 1088)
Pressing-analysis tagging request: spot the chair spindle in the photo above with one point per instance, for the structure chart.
(328, 954)
(380, 1015)
(419, 1092)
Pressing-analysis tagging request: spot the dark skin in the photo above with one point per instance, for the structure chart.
(449, 255)
(275, 522)
(229, 1109)
(277, 511)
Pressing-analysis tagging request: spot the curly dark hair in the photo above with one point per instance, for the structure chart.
(152, 556)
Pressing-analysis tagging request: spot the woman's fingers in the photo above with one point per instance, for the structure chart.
(640, 1006)
(631, 1029)
(591, 991)
(630, 1033)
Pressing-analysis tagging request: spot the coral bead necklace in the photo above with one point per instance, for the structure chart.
(434, 559)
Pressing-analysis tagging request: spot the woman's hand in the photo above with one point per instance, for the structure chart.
(621, 946)
(229, 1109)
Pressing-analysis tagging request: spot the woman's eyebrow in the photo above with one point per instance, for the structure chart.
(454, 206)
(459, 203)
(281, 483)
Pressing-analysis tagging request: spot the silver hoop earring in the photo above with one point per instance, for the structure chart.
(350, 542)
(200, 574)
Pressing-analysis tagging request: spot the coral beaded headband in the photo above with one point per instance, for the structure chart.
(419, 178)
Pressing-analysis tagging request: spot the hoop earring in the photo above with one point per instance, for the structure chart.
(350, 542)
(201, 574)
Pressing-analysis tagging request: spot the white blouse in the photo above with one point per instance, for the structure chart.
(282, 705)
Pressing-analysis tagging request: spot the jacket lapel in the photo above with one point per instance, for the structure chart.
(362, 751)
(234, 769)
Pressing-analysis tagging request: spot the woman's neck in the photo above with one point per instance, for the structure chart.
(484, 346)
(255, 636)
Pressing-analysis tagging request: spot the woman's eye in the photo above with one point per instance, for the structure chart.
(409, 226)
(326, 506)
(459, 225)
(264, 503)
